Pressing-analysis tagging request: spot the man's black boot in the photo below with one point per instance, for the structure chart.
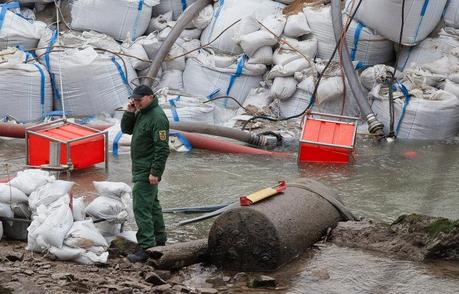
(140, 256)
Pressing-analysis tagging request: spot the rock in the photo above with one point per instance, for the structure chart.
(121, 247)
(415, 237)
(181, 289)
(239, 278)
(216, 281)
(154, 279)
(207, 291)
(63, 276)
(321, 274)
(161, 288)
(15, 256)
(262, 281)
(28, 272)
(165, 275)
(226, 279)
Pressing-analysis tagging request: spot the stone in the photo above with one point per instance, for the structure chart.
(262, 281)
(28, 272)
(15, 256)
(181, 289)
(121, 247)
(161, 288)
(239, 278)
(154, 279)
(321, 274)
(207, 291)
(165, 275)
(216, 281)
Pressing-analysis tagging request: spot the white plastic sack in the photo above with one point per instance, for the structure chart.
(5, 210)
(259, 98)
(88, 258)
(51, 225)
(139, 59)
(250, 43)
(109, 208)
(263, 55)
(15, 30)
(174, 6)
(202, 77)
(1, 230)
(427, 51)
(85, 75)
(32, 94)
(424, 119)
(190, 34)
(31, 179)
(451, 87)
(78, 209)
(421, 18)
(364, 44)
(283, 87)
(114, 189)
(66, 253)
(177, 63)
(83, 234)
(181, 108)
(452, 14)
(151, 44)
(47, 194)
(375, 75)
(160, 22)
(10, 194)
(274, 23)
(172, 79)
(105, 16)
(203, 19)
(229, 11)
(290, 68)
(295, 104)
(296, 25)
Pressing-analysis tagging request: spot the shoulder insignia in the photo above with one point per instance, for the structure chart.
(162, 135)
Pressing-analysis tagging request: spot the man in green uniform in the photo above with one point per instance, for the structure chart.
(149, 126)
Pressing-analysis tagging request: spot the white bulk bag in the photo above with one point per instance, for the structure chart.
(421, 18)
(92, 83)
(180, 108)
(172, 79)
(174, 6)
(295, 104)
(31, 97)
(202, 77)
(452, 14)
(47, 194)
(423, 119)
(120, 19)
(176, 62)
(226, 12)
(364, 44)
(10, 194)
(375, 75)
(428, 50)
(31, 179)
(203, 19)
(15, 30)
(138, 56)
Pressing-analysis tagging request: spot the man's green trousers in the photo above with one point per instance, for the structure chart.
(148, 215)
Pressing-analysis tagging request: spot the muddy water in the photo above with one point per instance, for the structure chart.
(385, 181)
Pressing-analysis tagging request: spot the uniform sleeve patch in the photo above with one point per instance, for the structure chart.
(162, 135)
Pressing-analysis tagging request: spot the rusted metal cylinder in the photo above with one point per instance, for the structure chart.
(270, 233)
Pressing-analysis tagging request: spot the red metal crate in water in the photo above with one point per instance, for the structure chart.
(80, 147)
(327, 141)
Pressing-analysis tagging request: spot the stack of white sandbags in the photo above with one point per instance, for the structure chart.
(16, 30)
(121, 19)
(92, 81)
(452, 14)
(228, 12)
(212, 75)
(26, 87)
(365, 46)
(420, 18)
(113, 205)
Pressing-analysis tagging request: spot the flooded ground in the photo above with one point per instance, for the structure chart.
(385, 180)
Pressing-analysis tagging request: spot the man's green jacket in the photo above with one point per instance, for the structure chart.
(150, 140)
